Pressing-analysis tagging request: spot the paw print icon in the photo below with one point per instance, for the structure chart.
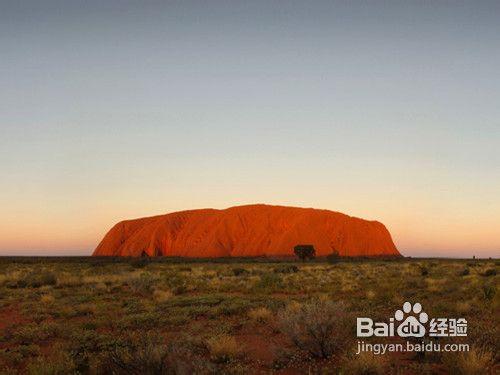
(412, 320)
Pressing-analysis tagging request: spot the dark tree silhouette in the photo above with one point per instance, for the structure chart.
(304, 252)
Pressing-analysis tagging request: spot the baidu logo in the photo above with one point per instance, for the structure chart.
(410, 321)
(412, 325)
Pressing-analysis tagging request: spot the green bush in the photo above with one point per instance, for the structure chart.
(141, 354)
(233, 306)
(86, 345)
(176, 283)
(464, 272)
(269, 281)
(489, 291)
(424, 271)
(240, 271)
(37, 279)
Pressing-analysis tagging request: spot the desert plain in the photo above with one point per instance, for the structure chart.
(167, 315)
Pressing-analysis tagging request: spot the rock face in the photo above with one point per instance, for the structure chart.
(254, 230)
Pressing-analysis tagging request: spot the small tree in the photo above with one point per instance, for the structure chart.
(304, 252)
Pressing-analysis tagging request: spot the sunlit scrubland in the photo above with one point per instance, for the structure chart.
(146, 316)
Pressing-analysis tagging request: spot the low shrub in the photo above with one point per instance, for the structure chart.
(240, 271)
(32, 332)
(424, 271)
(142, 284)
(269, 281)
(223, 349)
(260, 315)
(37, 279)
(464, 272)
(58, 364)
(232, 306)
(489, 291)
(490, 272)
(16, 355)
(86, 345)
(178, 284)
(477, 361)
(485, 334)
(140, 354)
(319, 327)
(47, 299)
(286, 268)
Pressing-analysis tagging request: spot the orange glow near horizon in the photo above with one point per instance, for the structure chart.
(60, 237)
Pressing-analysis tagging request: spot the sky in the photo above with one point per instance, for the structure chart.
(385, 110)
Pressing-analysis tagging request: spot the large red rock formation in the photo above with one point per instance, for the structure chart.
(253, 230)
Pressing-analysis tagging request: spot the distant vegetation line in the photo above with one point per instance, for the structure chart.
(175, 260)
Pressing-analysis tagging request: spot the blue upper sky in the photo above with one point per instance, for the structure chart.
(387, 110)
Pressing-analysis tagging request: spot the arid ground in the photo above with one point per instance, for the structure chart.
(155, 316)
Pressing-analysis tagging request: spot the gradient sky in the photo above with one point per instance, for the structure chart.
(383, 110)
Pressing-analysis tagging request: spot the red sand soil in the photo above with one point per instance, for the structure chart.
(253, 230)
(10, 316)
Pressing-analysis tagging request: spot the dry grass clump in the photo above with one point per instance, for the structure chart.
(47, 299)
(370, 294)
(435, 285)
(319, 327)
(143, 354)
(142, 284)
(223, 348)
(348, 286)
(260, 315)
(269, 282)
(162, 295)
(58, 364)
(10, 278)
(65, 279)
(37, 279)
(474, 362)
